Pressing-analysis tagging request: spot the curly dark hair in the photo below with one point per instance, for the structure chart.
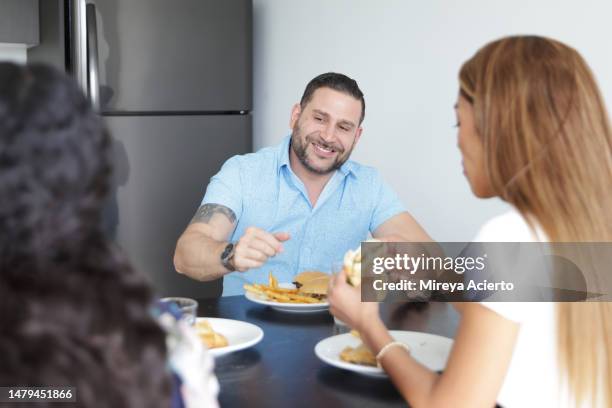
(72, 310)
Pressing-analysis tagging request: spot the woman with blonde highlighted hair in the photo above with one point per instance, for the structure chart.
(534, 131)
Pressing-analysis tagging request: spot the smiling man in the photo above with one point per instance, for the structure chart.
(296, 206)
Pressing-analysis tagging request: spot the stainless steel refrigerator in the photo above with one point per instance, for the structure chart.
(173, 81)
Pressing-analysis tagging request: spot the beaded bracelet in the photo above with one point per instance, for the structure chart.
(386, 348)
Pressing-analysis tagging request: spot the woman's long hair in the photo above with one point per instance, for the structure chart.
(73, 312)
(548, 152)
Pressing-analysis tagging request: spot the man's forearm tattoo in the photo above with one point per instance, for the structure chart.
(207, 211)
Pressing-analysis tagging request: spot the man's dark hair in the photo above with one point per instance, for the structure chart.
(73, 312)
(337, 82)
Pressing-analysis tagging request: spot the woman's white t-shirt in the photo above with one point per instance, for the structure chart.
(533, 378)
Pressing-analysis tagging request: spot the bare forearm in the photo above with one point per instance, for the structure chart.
(198, 250)
(401, 228)
(475, 369)
(415, 382)
(199, 257)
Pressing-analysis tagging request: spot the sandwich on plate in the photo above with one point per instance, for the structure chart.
(312, 284)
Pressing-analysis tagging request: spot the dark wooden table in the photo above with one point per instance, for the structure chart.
(283, 370)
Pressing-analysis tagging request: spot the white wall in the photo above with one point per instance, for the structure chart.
(13, 52)
(405, 55)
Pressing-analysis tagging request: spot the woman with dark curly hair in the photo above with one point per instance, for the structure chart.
(72, 310)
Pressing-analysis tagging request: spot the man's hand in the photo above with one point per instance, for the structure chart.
(255, 247)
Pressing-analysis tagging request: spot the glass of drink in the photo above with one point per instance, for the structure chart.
(187, 306)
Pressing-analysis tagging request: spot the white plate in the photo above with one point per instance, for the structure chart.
(288, 307)
(429, 349)
(239, 334)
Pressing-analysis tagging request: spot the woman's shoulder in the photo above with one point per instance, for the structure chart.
(510, 226)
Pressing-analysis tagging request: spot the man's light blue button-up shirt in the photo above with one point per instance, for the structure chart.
(263, 191)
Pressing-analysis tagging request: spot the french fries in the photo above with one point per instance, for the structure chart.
(275, 293)
(254, 289)
(272, 281)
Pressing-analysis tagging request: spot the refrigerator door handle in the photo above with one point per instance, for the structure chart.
(78, 45)
(92, 58)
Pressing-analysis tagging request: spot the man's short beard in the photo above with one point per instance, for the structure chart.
(299, 146)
